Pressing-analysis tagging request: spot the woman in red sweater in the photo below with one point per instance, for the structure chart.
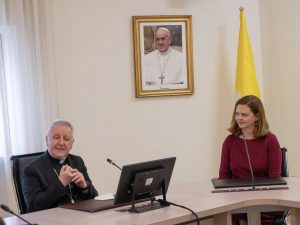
(249, 124)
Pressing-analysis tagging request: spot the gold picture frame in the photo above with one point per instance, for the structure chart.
(163, 55)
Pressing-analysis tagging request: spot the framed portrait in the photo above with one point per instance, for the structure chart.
(163, 55)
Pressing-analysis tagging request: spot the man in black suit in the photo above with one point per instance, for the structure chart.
(57, 177)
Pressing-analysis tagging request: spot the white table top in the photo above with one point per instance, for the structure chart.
(196, 196)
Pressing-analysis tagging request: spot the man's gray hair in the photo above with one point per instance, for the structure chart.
(60, 122)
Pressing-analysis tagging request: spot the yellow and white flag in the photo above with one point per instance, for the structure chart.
(245, 81)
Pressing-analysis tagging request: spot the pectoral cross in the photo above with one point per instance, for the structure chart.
(161, 78)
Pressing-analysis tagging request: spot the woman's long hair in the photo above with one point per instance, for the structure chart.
(261, 127)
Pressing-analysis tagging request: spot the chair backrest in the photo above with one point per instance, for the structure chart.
(284, 164)
(18, 163)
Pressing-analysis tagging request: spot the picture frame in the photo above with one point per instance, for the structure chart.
(163, 55)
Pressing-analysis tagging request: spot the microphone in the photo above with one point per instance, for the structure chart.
(249, 161)
(111, 162)
(7, 209)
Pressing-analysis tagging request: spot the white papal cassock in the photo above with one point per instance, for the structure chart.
(166, 69)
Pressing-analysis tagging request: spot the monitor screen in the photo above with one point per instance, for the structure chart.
(145, 180)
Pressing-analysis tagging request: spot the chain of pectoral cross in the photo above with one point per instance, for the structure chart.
(162, 70)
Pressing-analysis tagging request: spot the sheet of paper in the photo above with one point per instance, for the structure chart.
(105, 196)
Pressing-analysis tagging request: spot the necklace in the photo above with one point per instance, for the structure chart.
(162, 65)
(69, 191)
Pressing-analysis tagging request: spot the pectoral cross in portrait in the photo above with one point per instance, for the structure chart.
(162, 77)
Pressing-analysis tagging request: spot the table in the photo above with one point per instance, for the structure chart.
(216, 208)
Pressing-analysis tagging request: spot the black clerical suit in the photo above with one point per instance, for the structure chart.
(42, 188)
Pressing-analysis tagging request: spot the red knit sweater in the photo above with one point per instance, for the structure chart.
(264, 152)
(265, 155)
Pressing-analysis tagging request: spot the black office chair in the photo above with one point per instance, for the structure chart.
(282, 220)
(284, 166)
(18, 163)
(1, 221)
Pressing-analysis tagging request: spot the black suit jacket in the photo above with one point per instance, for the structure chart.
(43, 190)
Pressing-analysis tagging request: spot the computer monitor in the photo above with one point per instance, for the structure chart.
(143, 181)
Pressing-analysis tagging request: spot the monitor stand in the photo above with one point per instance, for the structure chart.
(147, 207)
(150, 206)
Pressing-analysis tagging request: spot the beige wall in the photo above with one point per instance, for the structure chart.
(281, 46)
(95, 77)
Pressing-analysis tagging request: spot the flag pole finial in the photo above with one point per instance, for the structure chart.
(241, 8)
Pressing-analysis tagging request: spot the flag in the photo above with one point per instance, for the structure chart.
(245, 81)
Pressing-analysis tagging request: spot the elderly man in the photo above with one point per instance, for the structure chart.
(165, 65)
(56, 177)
